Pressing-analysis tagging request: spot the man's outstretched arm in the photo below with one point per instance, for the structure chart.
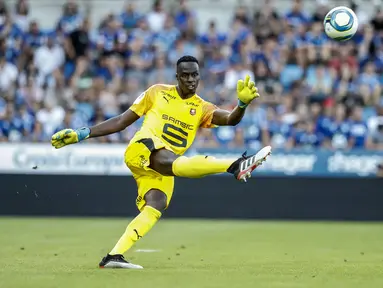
(139, 107)
(116, 124)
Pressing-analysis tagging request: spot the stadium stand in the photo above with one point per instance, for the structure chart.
(78, 65)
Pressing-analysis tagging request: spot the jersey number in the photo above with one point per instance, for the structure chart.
(167, 132)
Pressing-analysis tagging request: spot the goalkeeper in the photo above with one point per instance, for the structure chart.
(173, 115)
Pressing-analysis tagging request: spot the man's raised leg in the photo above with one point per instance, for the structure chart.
(167, 163)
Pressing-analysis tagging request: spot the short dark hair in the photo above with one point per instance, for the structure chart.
(187, 58)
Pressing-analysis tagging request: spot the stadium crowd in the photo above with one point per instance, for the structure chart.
(314, 92)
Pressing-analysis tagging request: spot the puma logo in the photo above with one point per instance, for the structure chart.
(138, 235)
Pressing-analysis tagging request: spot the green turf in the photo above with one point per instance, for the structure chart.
(65, 252)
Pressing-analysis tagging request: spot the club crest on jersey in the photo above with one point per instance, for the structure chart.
(192, 111)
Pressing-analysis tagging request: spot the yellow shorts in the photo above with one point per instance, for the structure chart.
(137, 158)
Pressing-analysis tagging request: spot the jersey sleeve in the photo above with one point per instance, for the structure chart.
(207, 115)
(144, 102)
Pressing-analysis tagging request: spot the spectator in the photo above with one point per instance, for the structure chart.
(3, 12)
(21, 15)
(237, 71)
(50, 117)
(296, 16)
(32, 39)
(184, 46)
(267, 83)
(76, 51)
(375, 126)
(166, 38)
(85, 102)
(112, 38)
(29, 92)
(266, 21)
(346, 88)
(130, 91)
(254, 125)
(291, 73)
(358, 135)
(307, 137)
(47, 60)
(184, 17)
(317, 43)
(238, 35)
(338, 129)
(288, 40)
(129, 18)
(27, 119)
(139, 59)
(38, 134)
(377, 21)
(8, 76)
(142, 31)
(286, 111)
(212, 39)
(241, 13)
(11, 125)
(216, 67)
(157, 17)
(161, 73)
(320, 83)
(369, 84)
(109, 73)
(71, 19)
(10, 31)
(366, 42)
(279, 134)
(344, 58)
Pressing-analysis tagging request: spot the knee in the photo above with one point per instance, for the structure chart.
(156, 199)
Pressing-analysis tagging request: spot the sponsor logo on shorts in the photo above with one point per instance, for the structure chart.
(143, 161)
(138, 200)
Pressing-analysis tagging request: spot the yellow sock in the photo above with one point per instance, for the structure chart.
(200, 166)
(137, 229)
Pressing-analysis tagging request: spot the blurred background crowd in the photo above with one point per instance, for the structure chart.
(314, 92)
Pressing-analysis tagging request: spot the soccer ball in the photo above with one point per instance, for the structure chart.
(340, 23)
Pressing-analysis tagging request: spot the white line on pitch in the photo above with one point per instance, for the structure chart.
(147, 250)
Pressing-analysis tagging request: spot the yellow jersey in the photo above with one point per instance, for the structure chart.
(171, 118)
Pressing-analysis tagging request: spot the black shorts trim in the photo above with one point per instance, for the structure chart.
(148, 142)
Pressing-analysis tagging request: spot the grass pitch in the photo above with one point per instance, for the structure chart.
(41, 253)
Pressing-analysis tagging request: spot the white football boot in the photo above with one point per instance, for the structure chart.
(242, 168)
